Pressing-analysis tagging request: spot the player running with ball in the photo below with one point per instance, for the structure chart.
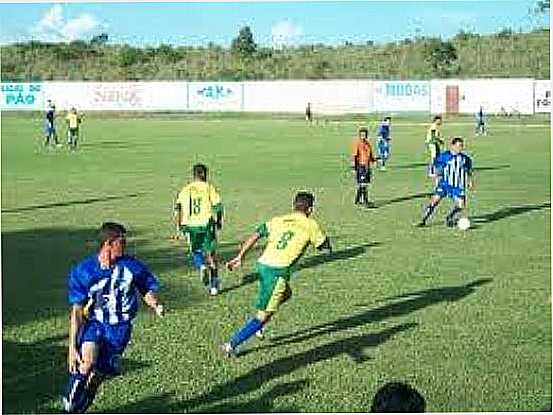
(288, 237)
(454, 176)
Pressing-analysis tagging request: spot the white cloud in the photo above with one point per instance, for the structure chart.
(53, 27)
(285, 33)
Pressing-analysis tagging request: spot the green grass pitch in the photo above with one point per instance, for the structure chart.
(464, 317)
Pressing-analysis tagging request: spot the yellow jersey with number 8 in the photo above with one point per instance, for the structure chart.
(288, 237)
(197, 201)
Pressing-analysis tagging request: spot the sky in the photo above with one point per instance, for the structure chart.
(272, 23)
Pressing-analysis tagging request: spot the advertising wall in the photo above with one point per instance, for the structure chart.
(542, 96)
(401, 96)
(494, 95)
(215, 96)
(21, 96)
(326, 97)
(118, 96)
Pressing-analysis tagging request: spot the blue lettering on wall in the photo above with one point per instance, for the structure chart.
(16, 95)
(215, 92)
(406, 89)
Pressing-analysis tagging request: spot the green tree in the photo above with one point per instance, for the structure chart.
(128, 56)
(244, 44)
(441, 56)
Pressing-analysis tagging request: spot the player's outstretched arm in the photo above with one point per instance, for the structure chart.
(245, 247)
(152, 299)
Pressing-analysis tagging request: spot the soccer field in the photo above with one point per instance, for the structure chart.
(464, 317)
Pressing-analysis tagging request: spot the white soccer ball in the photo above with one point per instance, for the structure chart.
(213, 291)
(463, 224)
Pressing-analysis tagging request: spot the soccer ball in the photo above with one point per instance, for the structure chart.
(463, 224)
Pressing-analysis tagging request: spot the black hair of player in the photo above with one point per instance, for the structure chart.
(437, 117)
(364, 130)
(110, 231)
(398, 397)
(456, 140)
(388, 119)
(303, 201)
(200, 171)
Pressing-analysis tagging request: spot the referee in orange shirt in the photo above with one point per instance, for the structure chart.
(362, 157)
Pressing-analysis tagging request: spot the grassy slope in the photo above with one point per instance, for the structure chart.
(510, 55)
(476, 336)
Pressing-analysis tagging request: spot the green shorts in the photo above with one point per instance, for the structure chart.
(202, 238)
(274, 287)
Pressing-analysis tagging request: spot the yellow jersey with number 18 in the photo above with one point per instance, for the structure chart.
(288, 237)
(197, 201)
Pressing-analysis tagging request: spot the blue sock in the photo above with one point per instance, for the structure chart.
(76, 392)
(198, 259)
(246, 332)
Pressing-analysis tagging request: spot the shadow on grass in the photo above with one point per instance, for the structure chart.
(508, 212)
(264, 404)
(312, 261)
(415, 301)
(403, 199)
(34, 374)
(36, 263)
(487, 168)
(354, 347)
(71, 203)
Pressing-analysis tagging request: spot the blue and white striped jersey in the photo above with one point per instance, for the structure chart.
(453, 168)
(114, 290)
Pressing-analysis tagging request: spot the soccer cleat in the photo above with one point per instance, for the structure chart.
(260, 334)
(213, 291)
(204, 275)
(370, 205)
(420, 224)
(228, 350)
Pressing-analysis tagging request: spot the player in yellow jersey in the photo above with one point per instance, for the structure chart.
(288, 237)
(73, 120)
(433, 142)
(199, 212)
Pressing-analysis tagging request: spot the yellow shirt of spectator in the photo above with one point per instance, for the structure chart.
(288, 237)
(198, 200)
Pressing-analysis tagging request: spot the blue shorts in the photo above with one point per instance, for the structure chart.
(444, 190)
(111, 340)
(384, 150)
(50, 129)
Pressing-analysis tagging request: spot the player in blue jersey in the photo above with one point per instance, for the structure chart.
(49, 124)
(454, 177)
(103, 293)
(383, 142)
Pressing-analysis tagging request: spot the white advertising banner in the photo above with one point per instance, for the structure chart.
(118, 96)
(542, 96)
(215, 96)
(400, 96)
(21, 96)
(292, 96)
